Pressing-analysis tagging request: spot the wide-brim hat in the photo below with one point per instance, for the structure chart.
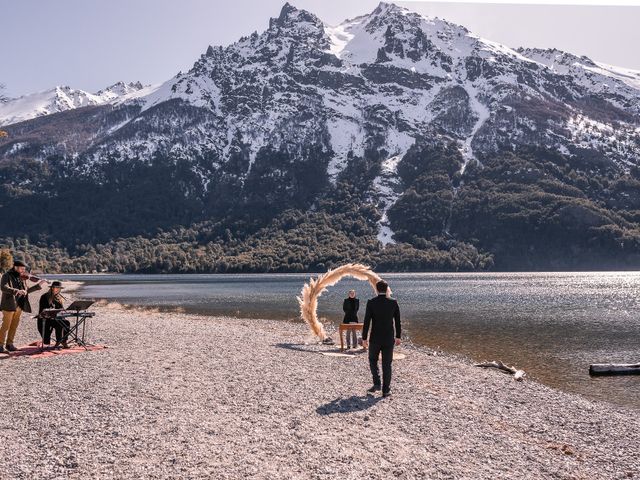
(56, 284)
(20, 263)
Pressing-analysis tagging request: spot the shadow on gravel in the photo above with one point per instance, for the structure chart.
(346, 405)
(299, 347)
(323, 349)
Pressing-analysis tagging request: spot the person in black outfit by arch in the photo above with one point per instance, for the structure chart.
(382, 315)
(350, 307)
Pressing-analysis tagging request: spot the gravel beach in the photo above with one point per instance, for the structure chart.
(187, 396)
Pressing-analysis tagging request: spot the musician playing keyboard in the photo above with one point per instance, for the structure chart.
(53, 299)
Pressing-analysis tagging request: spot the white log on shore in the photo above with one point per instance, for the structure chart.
(614, 369)
(517, 374)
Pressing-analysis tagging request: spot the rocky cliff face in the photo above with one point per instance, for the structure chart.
(285, 117)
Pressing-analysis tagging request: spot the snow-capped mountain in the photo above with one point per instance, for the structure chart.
(408, 74)
(281, 116)
(60, 99)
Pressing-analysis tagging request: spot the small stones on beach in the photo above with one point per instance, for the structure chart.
(564, 448)
(238, 398)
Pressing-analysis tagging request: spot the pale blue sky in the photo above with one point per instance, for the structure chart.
(92, 44)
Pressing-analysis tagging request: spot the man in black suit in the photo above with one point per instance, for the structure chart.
(381, 314)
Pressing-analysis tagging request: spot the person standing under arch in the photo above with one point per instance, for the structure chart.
(350, 307)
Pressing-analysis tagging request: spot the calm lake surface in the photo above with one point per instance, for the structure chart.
(552, 325)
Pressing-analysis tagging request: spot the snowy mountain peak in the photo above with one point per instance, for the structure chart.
(120, 89)
(59, 99)
(402, 38)
(297, 19)
(403, 72)
(387, 7)
(288, 14)
(377, 82)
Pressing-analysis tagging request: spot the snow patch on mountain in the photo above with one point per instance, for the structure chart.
(621, 86)
(347, 138)
(587, 133)
(388, 187)
(482, 114)
(199, 91)
(567, 63)
(628, 76)
(340, 36)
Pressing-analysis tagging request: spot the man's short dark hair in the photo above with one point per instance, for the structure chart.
(382, 286)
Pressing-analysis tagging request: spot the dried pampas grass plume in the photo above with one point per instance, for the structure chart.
(311, 291)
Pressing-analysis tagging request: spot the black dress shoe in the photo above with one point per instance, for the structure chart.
(2, 350)
(386, 394)
(11, 347)
(375, 388)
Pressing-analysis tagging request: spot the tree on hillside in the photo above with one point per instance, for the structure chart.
(6, 259)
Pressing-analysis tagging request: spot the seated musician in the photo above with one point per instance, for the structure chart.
(49, 300)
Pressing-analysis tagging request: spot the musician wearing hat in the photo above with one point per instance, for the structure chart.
(14, 301)
(53, 299)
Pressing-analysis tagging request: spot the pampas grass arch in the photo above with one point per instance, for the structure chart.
(311, 291)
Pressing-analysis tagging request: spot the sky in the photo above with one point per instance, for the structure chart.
(93, 44)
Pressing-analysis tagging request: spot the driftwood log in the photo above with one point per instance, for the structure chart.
(614, 369)
(517, 374)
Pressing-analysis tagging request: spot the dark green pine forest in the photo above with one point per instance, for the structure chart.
(518, 210)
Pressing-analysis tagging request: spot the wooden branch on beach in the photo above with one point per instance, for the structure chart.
(614, 369)
(517, 374)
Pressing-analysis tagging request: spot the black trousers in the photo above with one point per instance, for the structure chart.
(387, 358)
(60, 326)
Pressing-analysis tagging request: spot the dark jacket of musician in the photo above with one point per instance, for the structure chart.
(45, 325)
(10, 284)
(350, 307)
(49, 301)
(382, 315)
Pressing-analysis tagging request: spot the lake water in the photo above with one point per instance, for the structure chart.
(552, 325)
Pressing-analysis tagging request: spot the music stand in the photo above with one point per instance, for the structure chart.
(79, 307)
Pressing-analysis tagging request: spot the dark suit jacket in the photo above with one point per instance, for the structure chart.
(10, 283)
(350, 307)
(382, 314)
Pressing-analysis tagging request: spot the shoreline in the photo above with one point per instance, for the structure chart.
(191, 396)
(392, 272)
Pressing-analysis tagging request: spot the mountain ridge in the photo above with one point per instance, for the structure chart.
(59, 99)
